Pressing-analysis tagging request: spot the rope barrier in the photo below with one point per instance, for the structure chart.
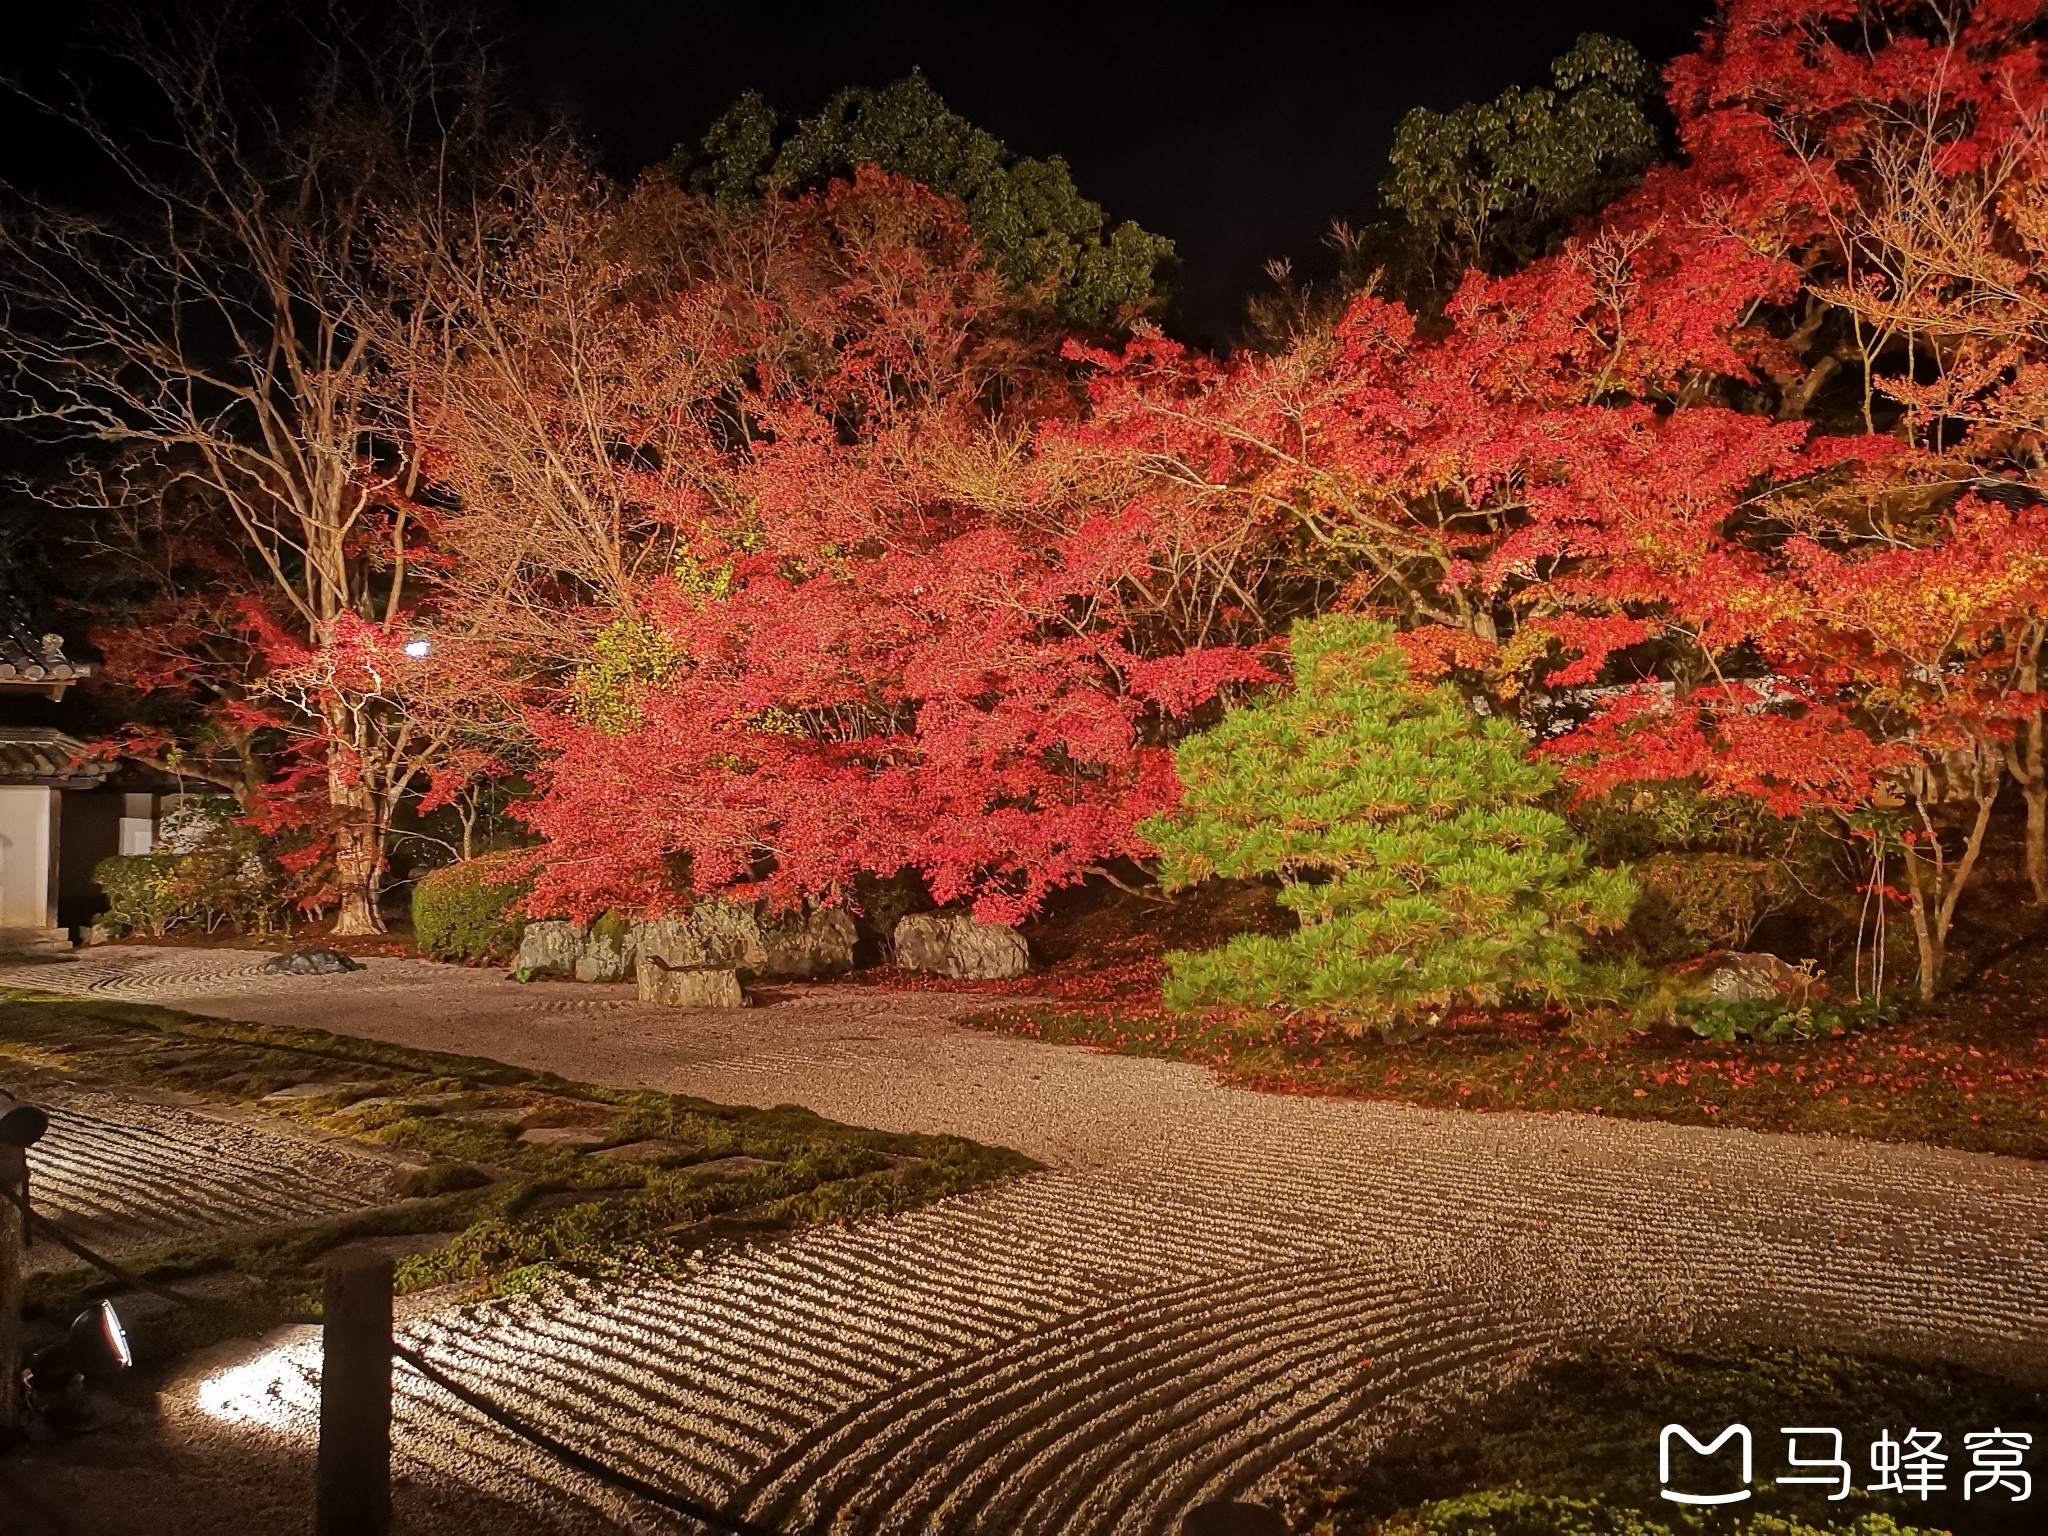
(504, 1418)
(703, 1514)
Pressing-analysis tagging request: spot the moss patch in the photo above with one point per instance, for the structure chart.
(1572, 1448)
(510, 1169)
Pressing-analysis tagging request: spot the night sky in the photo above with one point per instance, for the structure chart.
(1238, 130)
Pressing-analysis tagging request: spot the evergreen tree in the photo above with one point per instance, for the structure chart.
(1489, 185)
(1408, 834)
(1494, 184)
(1037, 230)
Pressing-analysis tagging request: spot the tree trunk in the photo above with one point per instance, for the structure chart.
(1932, 942)
(1936, 884)
(2037, 840)
(358, 856)
(1932, 945)
(2028, 760)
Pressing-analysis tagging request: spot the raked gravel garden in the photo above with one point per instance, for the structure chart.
(1191, 1289)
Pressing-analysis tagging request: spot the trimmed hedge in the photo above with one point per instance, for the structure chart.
(466, 912)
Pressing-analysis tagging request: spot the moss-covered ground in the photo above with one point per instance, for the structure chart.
(629, 1180)
(1571, 1450)
(1969, 1071)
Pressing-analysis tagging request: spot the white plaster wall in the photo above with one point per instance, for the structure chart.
(138, 824)
(28, 856)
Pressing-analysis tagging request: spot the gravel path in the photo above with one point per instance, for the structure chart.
(1205, 1284)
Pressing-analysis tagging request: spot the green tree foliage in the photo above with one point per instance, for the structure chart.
(731, 167)
(1496, 183)
(1037, 229)
(1408, 835)
(1492, 185)
(627, 657)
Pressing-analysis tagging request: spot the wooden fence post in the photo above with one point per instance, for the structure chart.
(13, 1179)
(352, 1482)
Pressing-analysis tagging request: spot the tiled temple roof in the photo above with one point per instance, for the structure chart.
(38, 755)
(29, 658)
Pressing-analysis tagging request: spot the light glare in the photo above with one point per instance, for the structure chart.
(277, 1390)
(116, 1336)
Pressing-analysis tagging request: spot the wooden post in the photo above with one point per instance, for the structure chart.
(352, 1482)
(13, 1179)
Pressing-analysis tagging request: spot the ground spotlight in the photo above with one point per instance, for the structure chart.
(96, 1345)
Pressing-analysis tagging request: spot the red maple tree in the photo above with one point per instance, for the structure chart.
(822, 602)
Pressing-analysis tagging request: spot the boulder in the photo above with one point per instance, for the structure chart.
(549, 949)
(1753, 977)
(607, 951)
(817, 942)
(311, 962)
(723, 934)
(955, 944)
(717, 934)
(712, 935)
(689, 986)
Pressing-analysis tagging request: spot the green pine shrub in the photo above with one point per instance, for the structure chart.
(1409, 837)
(468, 912)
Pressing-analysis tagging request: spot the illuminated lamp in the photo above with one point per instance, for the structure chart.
(95, 1346)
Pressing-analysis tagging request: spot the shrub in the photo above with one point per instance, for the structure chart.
(1711, 870)
(1516, 1513)
(1408, 836)
(1696, 902)
(468, 911)
(211, 870)
(138, 887)
(1635, 821)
